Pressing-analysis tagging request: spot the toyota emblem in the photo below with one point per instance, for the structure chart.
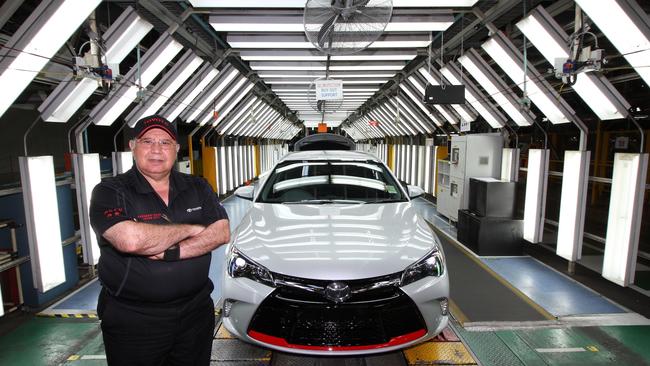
(337, 292)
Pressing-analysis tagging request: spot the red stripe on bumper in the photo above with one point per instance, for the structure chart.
(281, 342)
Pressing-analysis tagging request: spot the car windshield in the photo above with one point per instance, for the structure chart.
(322, 182)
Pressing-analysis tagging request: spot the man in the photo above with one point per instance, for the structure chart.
(156, 229)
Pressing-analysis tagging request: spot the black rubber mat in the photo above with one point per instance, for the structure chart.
(478, 294)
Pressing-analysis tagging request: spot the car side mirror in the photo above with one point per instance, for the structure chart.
(245, 192)
(415, 191)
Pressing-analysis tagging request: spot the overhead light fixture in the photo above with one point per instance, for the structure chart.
(213, 90)
(189, 92)
(220, 101)
(414, 117)
(171, 82)
(309, 55)
(321, 66)
(474, 96)
(420, 105)
(495, 87)
(303, 75)
(301, 3)
(233, 103)
(274, 22)
(154, 61)
(540, 92)
(300, 41)
(42, 220)
(535, 203)
(235, 120)
(551, 40)
(87, 176)
(120, 38)
(307, 82)
(572, 204)
(36, 41)
(624, 217)
(627, 26)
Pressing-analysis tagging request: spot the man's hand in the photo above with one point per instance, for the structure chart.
(215, 235)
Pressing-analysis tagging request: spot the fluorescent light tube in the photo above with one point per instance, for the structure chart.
(120, 38)
(510, 165)
(42, 219)
(572, 204)
(594, 89)
(167, 87)
(474, 96)
(624, 217)
(301, 3)
(221, 101)
(192, 112)
(495, 87)
(154, 61)
(122, 161)
(36, 41)
(87, 176)
(627, 26)
(549, 101)
(535, 204)
(189, 92)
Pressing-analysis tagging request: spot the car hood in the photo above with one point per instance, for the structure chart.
(334, 241)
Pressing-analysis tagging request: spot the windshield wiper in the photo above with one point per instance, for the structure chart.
(323, 202)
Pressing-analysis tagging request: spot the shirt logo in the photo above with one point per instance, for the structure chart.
(113, 212)
(194, 209)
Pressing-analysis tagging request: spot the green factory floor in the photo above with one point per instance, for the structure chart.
(61, 341)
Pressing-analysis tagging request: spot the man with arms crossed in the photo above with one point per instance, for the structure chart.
(156, 229)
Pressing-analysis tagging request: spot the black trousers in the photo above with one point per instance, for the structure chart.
(136, 334)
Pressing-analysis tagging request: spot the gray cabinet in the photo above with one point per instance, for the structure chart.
(477, 155)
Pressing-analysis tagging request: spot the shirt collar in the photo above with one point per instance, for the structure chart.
(176, 182)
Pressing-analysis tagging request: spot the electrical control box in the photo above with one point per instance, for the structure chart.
(476, 155)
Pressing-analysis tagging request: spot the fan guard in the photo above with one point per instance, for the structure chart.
(341, 27)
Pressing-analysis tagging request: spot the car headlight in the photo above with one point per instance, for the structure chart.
(241, 266)
(432, 264)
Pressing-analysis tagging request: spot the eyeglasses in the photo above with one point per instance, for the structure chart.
(164, 144)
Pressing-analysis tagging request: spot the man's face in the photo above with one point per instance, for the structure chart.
(154, 153)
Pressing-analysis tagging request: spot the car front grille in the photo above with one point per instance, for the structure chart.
(300, 316)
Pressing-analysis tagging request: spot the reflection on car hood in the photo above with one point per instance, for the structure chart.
(334, 241)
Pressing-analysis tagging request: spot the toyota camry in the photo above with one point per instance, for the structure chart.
(333, 258)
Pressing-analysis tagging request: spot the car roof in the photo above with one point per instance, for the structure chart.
(330, 155)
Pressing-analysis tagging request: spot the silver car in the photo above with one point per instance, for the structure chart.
(332, 258)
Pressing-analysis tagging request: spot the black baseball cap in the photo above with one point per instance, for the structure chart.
(147, 123)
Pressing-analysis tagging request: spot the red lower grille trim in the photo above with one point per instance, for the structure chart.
(281, 342)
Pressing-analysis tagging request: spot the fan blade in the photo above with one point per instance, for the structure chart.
(360, 3)
(326, 30)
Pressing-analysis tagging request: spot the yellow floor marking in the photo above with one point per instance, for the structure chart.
(222, 333)
(436, 353)
(74, 358)
(457, 313)
(489, 270)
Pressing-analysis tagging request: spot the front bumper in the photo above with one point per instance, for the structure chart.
(300, 322)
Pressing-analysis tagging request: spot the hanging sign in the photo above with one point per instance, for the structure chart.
(464, 125)
(329, 89)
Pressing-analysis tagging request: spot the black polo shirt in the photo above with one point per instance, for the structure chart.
(129, 196)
